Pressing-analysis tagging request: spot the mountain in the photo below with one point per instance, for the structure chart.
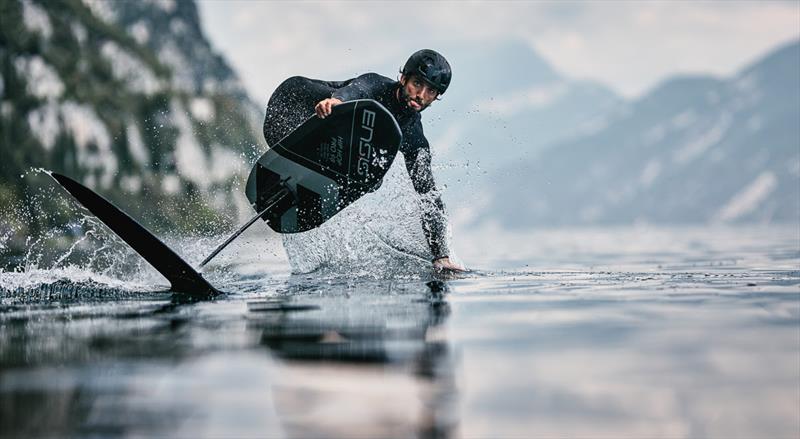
(126, 96)
(505, 103)
(696, 149)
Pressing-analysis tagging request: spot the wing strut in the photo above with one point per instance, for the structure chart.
(275, 199)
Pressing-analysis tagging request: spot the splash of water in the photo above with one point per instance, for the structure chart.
(379, 235)
(77, 253)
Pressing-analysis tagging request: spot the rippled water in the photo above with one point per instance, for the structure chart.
(629, 332)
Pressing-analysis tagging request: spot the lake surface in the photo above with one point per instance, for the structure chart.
(620, 332)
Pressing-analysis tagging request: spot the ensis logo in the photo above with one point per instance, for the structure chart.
(364, 142)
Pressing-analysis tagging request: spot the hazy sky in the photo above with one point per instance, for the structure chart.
(627, 45)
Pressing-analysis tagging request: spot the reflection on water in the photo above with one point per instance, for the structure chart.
(383, 360)
(709, 354)
(368, 357)
(698, 339)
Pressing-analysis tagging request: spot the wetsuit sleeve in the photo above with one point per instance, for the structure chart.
(418, 164)
(366, 86)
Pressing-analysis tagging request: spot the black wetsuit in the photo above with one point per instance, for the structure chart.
(294, 101)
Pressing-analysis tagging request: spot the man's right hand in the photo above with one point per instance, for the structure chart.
(324, 107)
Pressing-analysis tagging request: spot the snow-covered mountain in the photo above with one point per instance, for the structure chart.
(127, 96)
(694, 150)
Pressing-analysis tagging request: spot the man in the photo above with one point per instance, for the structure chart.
(425, 76)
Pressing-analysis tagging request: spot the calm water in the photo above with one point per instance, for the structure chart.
(630, 332)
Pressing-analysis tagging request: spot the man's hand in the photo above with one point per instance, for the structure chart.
(444, 264)
(324, 107)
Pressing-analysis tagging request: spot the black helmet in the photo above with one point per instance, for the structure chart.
(431, 67)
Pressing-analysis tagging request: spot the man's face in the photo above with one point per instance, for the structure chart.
(416, 93)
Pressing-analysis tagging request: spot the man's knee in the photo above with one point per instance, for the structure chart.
(295, 80)
(291, 103)
(294, 83)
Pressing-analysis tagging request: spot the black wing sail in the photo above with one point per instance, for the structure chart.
(181, 276)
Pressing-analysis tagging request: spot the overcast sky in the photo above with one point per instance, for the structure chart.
(627, 45)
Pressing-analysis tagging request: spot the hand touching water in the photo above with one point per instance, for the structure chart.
(445, 264)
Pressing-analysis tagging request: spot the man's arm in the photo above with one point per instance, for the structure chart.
(365, 86)
(434, 218)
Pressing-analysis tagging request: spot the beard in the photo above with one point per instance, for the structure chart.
(406, 99)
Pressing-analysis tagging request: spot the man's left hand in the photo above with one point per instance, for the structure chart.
(445, 264)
